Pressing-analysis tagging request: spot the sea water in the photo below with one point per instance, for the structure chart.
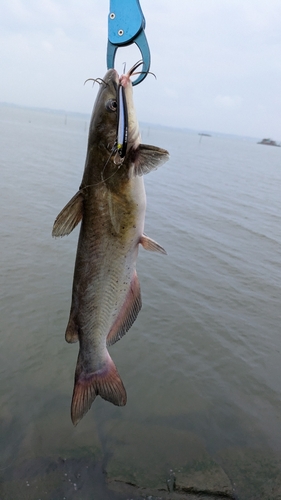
(203, 357)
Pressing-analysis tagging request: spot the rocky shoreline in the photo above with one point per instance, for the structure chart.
(138, 461)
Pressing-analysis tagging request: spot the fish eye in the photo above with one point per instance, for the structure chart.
(111, 105)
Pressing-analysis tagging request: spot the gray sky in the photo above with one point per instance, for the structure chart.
(218, 62)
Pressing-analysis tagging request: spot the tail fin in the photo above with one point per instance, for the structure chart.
(105, 383)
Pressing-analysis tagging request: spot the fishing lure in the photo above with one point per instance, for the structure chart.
(122, 122)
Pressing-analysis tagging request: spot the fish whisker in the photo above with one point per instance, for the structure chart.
(133, 71)
(136, 65)
(142, 72)
(113, 151)
(100, 81)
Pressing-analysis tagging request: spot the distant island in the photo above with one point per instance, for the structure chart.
(269, 142)
(205, 135)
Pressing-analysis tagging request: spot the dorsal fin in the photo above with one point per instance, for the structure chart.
(127, 314)
(69, 216)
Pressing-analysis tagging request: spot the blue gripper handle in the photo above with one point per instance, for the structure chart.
(125, 21)
(126, 25)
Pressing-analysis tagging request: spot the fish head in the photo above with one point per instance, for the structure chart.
(114, 110)
(103, 123)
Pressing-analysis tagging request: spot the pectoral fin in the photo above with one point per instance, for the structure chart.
(149, 244)
(147, 158)
(70, 216)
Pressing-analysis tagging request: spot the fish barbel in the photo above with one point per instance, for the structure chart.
(111, 204)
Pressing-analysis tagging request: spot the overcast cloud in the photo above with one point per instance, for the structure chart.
(218, 62)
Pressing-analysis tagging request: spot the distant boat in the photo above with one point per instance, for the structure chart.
(269, 142)
(205, 135)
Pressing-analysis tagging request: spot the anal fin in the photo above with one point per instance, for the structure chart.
(127, 314)
(69, 216)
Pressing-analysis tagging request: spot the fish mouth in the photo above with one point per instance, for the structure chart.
(122, 107)
(123, 88)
